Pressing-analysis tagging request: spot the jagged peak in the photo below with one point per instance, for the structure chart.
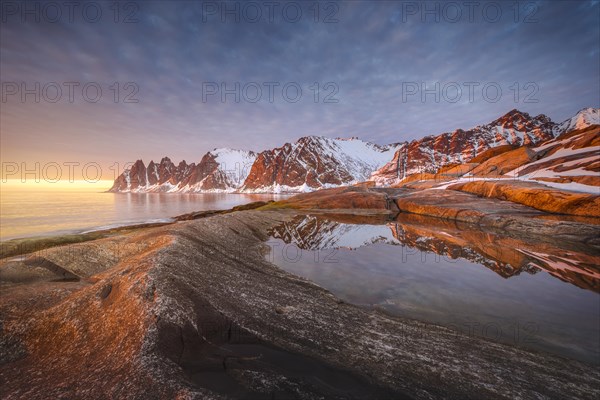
(512, 115)
(353, 158)
(543, 117)
(584, 118)
(516, 111)
(328, 139)
(312, 138)
(586, 110)
(588, 113)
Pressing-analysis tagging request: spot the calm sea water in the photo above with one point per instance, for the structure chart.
(37, 212)
(378, 266)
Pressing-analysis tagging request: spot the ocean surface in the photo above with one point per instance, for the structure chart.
(40, 212)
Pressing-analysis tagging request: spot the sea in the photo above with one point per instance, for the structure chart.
(38, 210)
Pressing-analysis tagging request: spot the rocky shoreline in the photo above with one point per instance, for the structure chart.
(152, 312)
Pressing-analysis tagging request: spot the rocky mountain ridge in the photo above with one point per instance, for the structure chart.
(429, 154)
(315, 162)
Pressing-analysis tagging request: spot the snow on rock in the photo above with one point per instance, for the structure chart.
(429, 154)
(235, 163)
(570, 162)
(220, 170)
(433, 152)
(583, 119)
(315, 162)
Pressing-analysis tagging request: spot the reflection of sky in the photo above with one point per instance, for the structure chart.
(426, 286)
(368, 54)
(34, 213)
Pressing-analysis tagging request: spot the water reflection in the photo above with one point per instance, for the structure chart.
(540, 294)
(506, 256)
(34, 213)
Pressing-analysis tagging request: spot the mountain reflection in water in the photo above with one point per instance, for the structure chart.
(542, 294)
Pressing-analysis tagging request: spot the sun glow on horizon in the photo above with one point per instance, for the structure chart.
(32, 184)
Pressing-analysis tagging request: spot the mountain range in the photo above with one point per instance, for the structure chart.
(315, 162)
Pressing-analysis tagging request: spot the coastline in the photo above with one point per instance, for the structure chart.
(154, 303)
(313, 200)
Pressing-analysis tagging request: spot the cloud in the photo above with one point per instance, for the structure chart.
(368, 55)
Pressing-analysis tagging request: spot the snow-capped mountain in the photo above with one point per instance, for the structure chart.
(433, 152)
(515, 128)
(571, 161)
(315, 162)
(583, 119)
(155, 177)
(220, 170)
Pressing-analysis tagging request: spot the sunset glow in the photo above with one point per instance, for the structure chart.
(30, 184)
(299, 199)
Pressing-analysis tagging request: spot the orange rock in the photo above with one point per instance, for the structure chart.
(590, 180)
(350, 197)
(585, 137)
(505, 162)
(420, 176)
(425, 180)
(536, 196)
(366, 184)
(457, 170)
(493, 152)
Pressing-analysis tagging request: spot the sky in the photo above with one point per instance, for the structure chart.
(90, 87)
